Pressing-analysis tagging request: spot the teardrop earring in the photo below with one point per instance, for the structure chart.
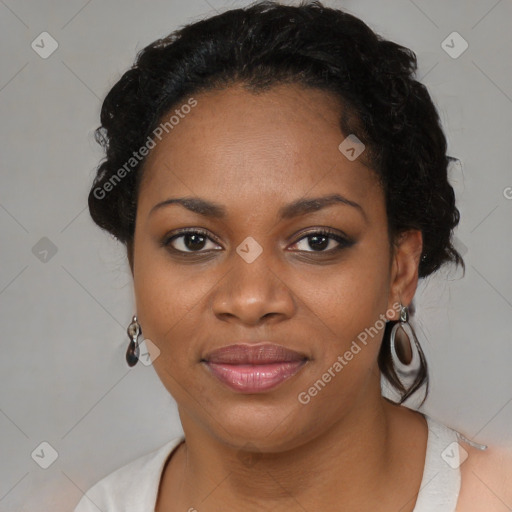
(404, 345)
(132, 353)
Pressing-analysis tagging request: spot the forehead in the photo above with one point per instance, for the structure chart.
(240, 145)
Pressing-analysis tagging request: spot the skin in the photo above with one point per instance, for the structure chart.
(486, 480)
(254, 154)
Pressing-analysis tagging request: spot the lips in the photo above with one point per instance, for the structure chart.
(254, 368)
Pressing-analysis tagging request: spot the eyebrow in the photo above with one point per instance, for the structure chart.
(294, 209)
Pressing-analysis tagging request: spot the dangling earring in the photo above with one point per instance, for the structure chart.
(132, 354)
(404, 345)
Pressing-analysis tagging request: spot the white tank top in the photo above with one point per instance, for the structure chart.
(440, 484)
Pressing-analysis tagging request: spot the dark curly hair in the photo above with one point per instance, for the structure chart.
(267, 44)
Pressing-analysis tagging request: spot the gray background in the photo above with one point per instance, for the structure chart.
(63, 316)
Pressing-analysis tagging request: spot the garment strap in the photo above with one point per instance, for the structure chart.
(440, 485)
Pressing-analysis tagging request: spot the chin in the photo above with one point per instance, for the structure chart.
(266, 427)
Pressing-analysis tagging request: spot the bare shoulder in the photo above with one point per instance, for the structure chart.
(486, 479)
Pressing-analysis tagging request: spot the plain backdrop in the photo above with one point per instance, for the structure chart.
(65, 287)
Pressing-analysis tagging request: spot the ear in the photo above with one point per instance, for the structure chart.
(404, 268)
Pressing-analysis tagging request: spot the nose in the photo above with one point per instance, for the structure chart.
(253, 293)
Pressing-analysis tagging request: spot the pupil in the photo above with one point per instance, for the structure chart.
(315, 245)
(197, 241)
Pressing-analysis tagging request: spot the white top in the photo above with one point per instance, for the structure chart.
(134, 486)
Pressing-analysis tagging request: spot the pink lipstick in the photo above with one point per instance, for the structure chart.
(254, 368)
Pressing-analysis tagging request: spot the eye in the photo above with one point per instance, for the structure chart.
(322, 240)
(190, 240)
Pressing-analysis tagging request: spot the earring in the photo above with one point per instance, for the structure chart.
(132, 354)
(404, 345)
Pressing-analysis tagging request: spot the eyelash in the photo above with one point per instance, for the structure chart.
(343, 241)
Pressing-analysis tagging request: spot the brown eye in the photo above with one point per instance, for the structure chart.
(190, 241)
(322, 241)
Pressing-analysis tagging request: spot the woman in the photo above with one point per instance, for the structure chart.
(279, 180)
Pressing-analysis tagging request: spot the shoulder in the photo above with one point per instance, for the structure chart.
(486, 479)
(130, 487)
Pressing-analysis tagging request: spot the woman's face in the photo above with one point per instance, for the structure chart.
(257, 272)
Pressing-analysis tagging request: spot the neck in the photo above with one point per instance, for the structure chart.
(348, 467)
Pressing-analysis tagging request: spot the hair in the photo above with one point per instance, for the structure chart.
(268, 44)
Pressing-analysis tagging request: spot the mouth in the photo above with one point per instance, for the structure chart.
(254, 368)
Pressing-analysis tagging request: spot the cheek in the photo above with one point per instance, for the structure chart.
(354, 293)
(349, 309)
(164, 296)
(165, 290)
(166, 304)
